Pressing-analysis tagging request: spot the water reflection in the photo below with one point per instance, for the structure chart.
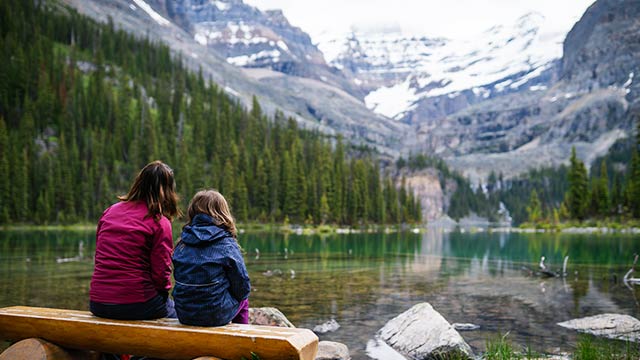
(363, 280)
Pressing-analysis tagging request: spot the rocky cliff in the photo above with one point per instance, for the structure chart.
(250, 38)
(189, 28)
(589, 106)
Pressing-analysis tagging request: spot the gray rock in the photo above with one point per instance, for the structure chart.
(612, 326)
(329, 350)
(422, 333)
(329, 326)
(465, 326)
(268, 316)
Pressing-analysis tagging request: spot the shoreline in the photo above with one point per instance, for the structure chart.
(250, 227)
(375, 228)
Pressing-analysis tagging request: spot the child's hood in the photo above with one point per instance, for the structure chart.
(203, 229)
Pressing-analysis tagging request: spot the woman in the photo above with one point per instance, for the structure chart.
(134, 243)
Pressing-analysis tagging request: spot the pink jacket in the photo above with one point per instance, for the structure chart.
(133, 255)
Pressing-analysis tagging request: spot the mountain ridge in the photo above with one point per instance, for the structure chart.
(500, 104)
(295, 96)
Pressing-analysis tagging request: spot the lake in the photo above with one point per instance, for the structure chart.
(363, 280)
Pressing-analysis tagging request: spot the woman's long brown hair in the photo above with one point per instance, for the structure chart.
(212, 203)
(155, 186)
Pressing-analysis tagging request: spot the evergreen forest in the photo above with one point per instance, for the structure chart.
(608, 192)
(84, 106)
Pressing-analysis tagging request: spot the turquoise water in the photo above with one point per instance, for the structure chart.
(363, 280)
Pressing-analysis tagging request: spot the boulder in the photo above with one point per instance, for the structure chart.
(465, 326)
(329, 326)
(612, 326)
(422, 333)
(329, 350)
(268, 316)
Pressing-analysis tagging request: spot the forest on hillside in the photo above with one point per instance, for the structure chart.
(83, 106)
(609, 191)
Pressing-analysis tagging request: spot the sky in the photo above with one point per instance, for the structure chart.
(454, 19)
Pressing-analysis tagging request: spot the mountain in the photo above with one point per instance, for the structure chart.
(214, 37)
(250, 38)
(590, 106)
(514, 97)
(402, 73)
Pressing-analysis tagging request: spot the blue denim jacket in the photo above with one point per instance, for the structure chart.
(210, 275)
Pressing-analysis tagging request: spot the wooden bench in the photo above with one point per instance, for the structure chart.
(162, 338)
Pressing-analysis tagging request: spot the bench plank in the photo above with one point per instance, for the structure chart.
(163, 338)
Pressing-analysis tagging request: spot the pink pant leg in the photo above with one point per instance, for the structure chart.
(242, 316)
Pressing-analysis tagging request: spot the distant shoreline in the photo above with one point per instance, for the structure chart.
(248, 228)
(373, 228)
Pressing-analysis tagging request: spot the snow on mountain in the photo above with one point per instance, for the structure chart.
(397, 70)
(149, 10)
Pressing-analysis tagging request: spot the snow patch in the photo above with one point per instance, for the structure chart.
(200, 38)
(231, 91)
(530, 75)
(392, 101)
(154, 15)
(629, 81)
(244, 60)
(537, 88)
(222, 6)
(282, 45)
(480, 91)
(502, 85)
(234, 33)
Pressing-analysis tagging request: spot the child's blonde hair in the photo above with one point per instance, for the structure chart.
(211, 202)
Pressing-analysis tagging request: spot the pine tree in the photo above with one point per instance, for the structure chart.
(634, 185)
(634, 176)
(338, 183)
(577, 196)
(391, 202)
(602, 200)
(260, 189)
(534, 210)
(325, 211)
(241, 199)
(229, 183)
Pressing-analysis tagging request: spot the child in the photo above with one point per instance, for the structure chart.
(211, 281)
(132, 273)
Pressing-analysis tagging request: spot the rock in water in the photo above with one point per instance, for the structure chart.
(465, 326)
(612, 326)
(329, 350)
(331, 325)
(268, 316)
(422, 333)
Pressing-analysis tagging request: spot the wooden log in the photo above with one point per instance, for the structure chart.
(162, 338)
(38, 349)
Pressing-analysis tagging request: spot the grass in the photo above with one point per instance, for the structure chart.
(587, 348)
(591, 348)
(254, 356)
(610, 224)
(501, 349)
